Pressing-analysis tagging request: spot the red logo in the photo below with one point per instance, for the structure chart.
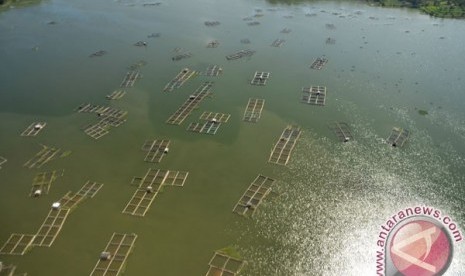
(421, 248)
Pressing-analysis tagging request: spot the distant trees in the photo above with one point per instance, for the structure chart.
(415, 3)
(449, 8)
(438, 8)
(6, 3)
(444, 5)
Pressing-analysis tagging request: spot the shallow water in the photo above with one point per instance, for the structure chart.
(330, 199)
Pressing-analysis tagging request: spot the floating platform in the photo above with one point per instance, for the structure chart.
(17, 244)
(102, 110)
(245, 41)
(148, 188)
(114, 256)
(3, 160)
(130, 79)
(205, 128)
(45, 155)
(223, 265)
(213, 71)
(175, 178)
(215, 117)
(286, 31)
(155, 149)
(278, 42)
(342, 131)
(98, 53)
(116, 95)
(398, 137)
(330, 26)
(253, 110)
(212, 23)
(319, 63)
(90, 189)
(159, 177)
(310, 14)
(330, 41)
(51, 227)
(34, 129)
(151, 4)
(140, 43)
(154, 35)
(181, 56)
(111, 117)
(240, 54)
(254, 195)
(179, 80)
(70, 200)
(137, 65)
(9, 270)
(314, 95)
(42, 182)
(283, 148)
(260, 78)
(96, 131)
(253, 23)
(213, 44)
(190, 104)
(113, 121)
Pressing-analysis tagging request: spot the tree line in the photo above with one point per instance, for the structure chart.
(437, 8)
(443, 8)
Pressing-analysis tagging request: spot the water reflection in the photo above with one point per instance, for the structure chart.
(334, 197)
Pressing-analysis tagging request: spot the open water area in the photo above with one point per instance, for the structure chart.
(326, 207)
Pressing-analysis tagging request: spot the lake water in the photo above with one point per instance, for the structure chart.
(328, 203)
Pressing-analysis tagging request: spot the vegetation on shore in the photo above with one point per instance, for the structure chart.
(437, 8)
(8, 3)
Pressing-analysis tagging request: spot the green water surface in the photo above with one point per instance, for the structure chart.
(324, 215)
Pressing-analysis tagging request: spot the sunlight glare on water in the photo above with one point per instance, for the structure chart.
(334, 198)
